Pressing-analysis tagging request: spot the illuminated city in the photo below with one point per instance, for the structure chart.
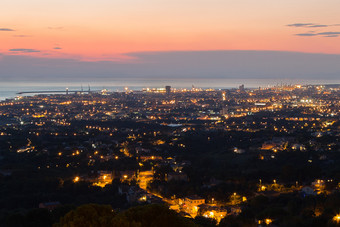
(169, 113)
(204, 153)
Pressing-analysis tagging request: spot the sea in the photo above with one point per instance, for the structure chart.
(9, 90)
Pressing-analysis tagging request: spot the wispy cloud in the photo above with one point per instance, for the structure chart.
(6, 30)
(21, 36)
(319, 26)
(57, 48)
(56, 28)
(315, 33)
(300, 25)
(306, 34)
(329, 33)
(311, 25)
(331, 36)
(323, 34)
(23, 50)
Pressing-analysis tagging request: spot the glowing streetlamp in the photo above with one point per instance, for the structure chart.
(268, 221)
(336, 218)
(76, 179)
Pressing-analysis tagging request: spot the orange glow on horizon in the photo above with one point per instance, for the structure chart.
(109, 30)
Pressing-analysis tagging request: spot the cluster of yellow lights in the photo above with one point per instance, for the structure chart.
(336, 218)
(65, 103)
(266, 221)
(76, 179)
(75, 153)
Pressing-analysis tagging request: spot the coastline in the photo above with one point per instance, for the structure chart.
(9, 90)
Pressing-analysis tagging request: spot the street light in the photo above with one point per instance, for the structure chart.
(76, 179)
(268, 221)
(336, 218)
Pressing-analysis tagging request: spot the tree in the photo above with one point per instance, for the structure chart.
(233, 221)
(152, 215)
(93, 215)
(89, 215)
(38, 218)
(206, 222)
(15, 220)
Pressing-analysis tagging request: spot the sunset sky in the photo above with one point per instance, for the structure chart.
(118, 30)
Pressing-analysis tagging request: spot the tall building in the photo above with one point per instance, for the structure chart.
(167, 89)
(223, 96)
(225, 110)
(144, 177)
(241, 88)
